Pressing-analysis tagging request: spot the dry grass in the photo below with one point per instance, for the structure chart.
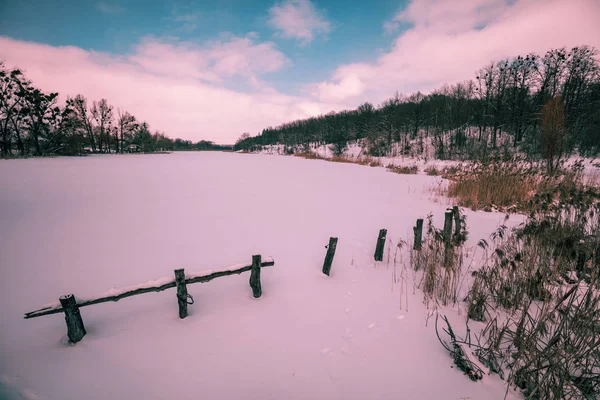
(432, 171)
(441, 262)
(370, 161)
(310, 156)
(543, 274)
(449, 172)
(518, 186)
(494, 186)
(406, 170)
(367, 160)
(342, 159)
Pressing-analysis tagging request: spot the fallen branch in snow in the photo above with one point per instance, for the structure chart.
(153, 286)
(461, 359)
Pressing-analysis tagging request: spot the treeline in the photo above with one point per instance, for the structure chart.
(33, 123)
(180, 144)
(500, 107)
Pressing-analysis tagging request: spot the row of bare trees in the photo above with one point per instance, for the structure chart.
(501, 107)
(101, 131)
(33, 123)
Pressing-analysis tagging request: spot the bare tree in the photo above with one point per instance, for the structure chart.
(519, 87)
(102, 112)
(43, 113)
(80, 107)
(14, 108)
(581, 71)
(554, 133)
(126, 126)
(485, 90)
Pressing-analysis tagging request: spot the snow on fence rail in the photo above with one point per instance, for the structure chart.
(70, 306)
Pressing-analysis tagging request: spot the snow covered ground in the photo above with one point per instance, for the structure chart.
(355, 150)
(86, 225)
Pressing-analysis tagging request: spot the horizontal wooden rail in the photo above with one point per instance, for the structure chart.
(152, 286)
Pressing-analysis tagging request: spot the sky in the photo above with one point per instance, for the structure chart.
(214, 70)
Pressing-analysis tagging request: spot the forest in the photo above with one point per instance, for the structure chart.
(499, 109)
(34, 123)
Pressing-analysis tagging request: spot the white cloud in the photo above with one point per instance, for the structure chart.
(450, 16)
(177, 87)
(212, 61)
(448, 40)
(109, 8)
(298, 19)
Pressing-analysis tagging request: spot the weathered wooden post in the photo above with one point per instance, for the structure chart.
(255, 276)
(448, 227)
(380, 245)
(75, 329)
(418, 231)
(456, 214)
(329, 256)
(182, 293)
(447, 237)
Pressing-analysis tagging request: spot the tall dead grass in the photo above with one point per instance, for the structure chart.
(441, 261)
(518, 186)
(543, 275)
(433, 171)
(365, 160)
(501, 186)
(402, 169)
(309, 155)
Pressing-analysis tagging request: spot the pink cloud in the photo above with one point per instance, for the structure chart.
(298, 19)
(176, 87)
(451, 16)
(450, 39)
(212, 61)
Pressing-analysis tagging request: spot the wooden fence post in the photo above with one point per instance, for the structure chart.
(75, 329)
(448, 227)
(447, 237)
(380, 245)
(182, 293)
(456, 214)
(255, 276)
(418, 231)
(329, 256)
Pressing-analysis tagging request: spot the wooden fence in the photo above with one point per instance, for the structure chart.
(449, 237)
(70, 306)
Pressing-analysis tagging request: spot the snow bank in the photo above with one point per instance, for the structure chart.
(356, 150)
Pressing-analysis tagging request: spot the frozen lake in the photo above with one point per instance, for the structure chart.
(85, 225)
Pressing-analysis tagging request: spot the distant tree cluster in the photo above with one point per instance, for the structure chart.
(33, 123)
(468, 118)
(180, 144)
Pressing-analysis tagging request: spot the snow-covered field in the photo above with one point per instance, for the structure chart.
(86, 225)
(425, 160)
